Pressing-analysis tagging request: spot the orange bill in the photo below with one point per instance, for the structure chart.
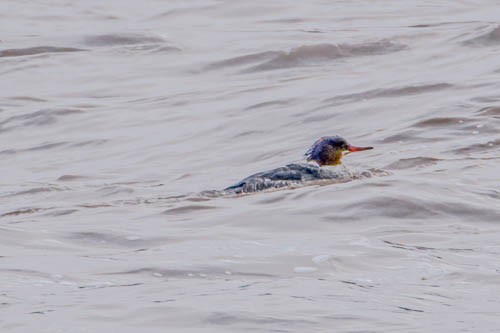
(354, 148)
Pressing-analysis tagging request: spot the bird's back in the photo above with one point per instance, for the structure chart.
(289, 175)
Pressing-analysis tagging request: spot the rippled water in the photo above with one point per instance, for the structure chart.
(115, 115)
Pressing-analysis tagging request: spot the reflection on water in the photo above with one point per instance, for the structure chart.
(122, 123)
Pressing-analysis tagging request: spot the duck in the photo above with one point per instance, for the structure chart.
(326, 151)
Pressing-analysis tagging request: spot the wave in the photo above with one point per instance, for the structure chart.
(441, 121)
(408, 207)
(390, 92)
(492, 145)
(117, 39)
(307, 55)
(244, 60)
(414, 162)
(492, 111)
(37, 50)
(490, 38)
(37, 118)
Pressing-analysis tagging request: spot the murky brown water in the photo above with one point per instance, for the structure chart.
(115, 114)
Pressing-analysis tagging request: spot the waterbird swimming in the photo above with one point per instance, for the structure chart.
(326, 151)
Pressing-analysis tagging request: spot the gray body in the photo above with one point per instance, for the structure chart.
(289, 175)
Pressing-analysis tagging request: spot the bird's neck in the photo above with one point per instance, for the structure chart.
(333, 157)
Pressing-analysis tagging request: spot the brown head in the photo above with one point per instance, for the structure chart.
(329, 150)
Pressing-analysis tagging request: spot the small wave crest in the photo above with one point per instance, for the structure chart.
(37, 118)
(490, 38)
(388, 92)
(36, 50)
(118, 39)
(493, 112)
(415, 162)
(306, 55)
(487, 146)
(409, 207)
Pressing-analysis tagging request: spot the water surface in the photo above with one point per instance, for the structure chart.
(115, 115)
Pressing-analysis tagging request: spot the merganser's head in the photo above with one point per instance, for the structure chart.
(329, 150)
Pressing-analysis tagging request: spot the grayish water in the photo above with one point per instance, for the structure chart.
(115, 114)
